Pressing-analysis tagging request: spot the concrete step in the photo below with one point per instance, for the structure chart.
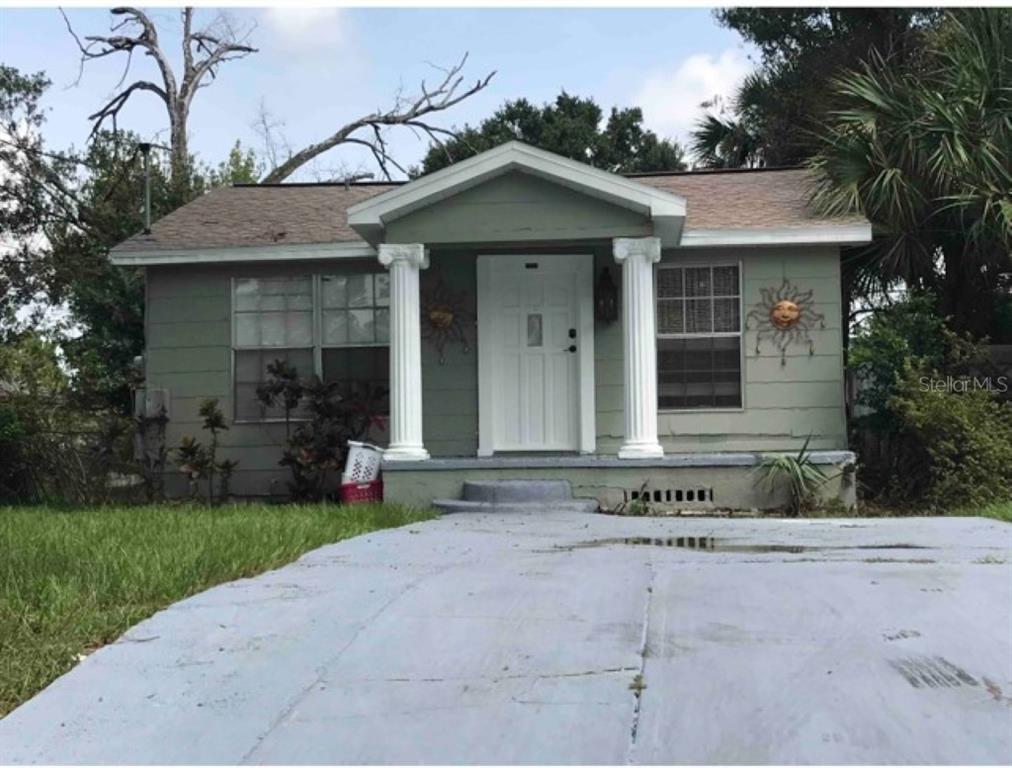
(516, 491)
(447, 506)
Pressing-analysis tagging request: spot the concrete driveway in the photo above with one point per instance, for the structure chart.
(549, 639)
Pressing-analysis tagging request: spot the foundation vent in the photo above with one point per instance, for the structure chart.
(672, 495)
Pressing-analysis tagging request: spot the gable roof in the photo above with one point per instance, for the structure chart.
(663, 207)
(246, 222)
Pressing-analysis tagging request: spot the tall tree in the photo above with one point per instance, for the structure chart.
(570, 126)
(203, 52)
(772, 119)
(925, 153)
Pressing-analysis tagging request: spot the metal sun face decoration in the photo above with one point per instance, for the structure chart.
(444, 318)
(785, 315)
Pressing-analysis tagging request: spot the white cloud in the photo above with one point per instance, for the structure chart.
(671, 99)
(306, 31)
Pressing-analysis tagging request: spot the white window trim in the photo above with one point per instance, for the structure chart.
(678, 264)
(316, 347)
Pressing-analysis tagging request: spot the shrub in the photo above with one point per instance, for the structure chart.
(900, 345)
(963, 444)
(199, 462)
(908, 334)
(316, 447)
(52, 448)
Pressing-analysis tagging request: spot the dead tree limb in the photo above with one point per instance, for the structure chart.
(411, 112)
(204, 51)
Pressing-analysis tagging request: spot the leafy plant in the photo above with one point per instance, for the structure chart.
(192, 458)
(798, 475)
(961, 444)
(910, 333)
(281, 387)
(201, 462)
(334, 413)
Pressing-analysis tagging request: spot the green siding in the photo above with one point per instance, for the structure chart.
(516, 207)
(189, 353)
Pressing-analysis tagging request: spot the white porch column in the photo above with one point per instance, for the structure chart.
(637, 257)
(403, 261)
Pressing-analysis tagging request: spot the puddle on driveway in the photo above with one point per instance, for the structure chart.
(714, 544)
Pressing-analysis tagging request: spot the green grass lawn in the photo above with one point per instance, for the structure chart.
(74, 579)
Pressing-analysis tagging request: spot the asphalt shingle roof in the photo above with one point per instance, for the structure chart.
(240, 216)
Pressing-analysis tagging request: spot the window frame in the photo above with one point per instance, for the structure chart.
(316, 348)
(740, 333)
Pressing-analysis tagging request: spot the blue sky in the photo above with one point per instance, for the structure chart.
(320, 67)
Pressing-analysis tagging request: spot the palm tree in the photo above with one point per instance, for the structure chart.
(719, 141)
(925, 153)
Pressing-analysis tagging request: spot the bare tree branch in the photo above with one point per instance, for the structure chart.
(204, 51)
(405, 111)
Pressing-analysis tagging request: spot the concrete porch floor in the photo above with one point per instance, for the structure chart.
(692, 481)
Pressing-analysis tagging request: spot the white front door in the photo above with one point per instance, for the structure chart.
(535, 338)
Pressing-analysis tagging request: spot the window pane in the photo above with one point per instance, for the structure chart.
(382, 289)
(725, 281)
(698, 317)
(383, 325)
(697, 281)
(300, 301)
(670, 316)
(247, 330)
(272, 329)
(299, 329)
(251, 369)
(359, 290)
(334, 291)
(335, 326)
(362, 372)
(246, 293)
(360, 326)
(699, 373)
(669, 282)
(726, 315)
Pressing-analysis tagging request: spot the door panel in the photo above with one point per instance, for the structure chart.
(534, 303)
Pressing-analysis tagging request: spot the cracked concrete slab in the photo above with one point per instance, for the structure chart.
(545, 639)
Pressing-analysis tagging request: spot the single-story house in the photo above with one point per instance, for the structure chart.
(533, 317)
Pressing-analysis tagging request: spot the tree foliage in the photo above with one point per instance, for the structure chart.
(925, 153)
(60, 213)
(570, 126)
(772, 119)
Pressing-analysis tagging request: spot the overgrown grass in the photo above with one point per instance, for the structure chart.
(74, 579)
(1001, 510)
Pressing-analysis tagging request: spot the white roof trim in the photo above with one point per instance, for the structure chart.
(827, 234)
(249, 253)
(666, 210)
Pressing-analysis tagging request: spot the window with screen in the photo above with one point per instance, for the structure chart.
(342, 336)
(698, 337)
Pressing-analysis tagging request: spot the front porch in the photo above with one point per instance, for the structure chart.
(522, 235)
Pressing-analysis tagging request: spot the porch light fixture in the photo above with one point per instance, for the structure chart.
(605, 298)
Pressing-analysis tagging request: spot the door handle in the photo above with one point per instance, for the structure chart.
(570, 348)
